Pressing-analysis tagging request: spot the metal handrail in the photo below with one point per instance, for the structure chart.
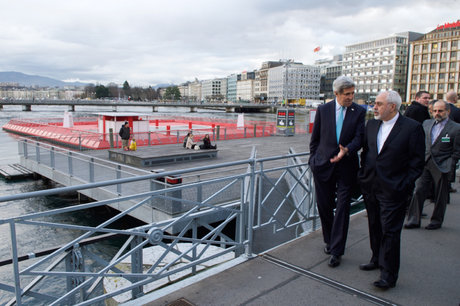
(250, 210)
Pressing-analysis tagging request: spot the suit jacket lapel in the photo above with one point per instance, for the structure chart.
(373, 135)
(332, 118)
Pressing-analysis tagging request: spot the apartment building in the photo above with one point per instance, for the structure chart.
(214, 90)
(261, 80)
(293, 81)
(434, 62)
(379, 65)
(245, 87)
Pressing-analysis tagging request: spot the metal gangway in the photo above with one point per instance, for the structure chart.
(276, 196)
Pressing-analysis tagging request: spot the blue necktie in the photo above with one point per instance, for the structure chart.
(338, 128)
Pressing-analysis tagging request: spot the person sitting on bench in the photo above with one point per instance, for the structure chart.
(190, 143)
(207, 143)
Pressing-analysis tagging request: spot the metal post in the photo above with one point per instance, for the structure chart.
(260, 195)
(79, 142)
(225, 133)
(136, 265)
(69, 160)
(255, 130)
(149, 138)
(263, 131)
(213, 134)
(199, 191)
(194, 236)
(177, 141)
(37, 152)
(218, 132)
(52, 161)
(111, 138)
(118, 177)
(26, 155)
(91, 170)
(14, 256)
(244, 132)
(251, 206)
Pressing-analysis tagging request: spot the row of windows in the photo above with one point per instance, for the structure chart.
(377, 43)
(436, 46)
(433, 87)
(435, 56)
(435, 66)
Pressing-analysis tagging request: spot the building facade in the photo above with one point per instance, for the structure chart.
(434, 62)
(245, 90)
(330, 69)
(231, 87)
(214, 90)
(261, 80)
(379, 65)
(292, 82)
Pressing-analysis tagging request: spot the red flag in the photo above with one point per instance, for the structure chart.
(317, 49)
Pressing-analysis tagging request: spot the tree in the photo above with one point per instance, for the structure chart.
(101, 92)
(126, 89)
(113, 89)
(89, 92)
(172, 93)
(126, 86)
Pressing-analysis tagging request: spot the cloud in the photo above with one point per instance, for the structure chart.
(147, 42)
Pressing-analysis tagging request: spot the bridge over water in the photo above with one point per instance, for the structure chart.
(194, 106)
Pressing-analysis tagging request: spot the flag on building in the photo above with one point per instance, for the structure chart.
(317, 49)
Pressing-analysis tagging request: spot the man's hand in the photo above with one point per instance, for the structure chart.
(343, 151)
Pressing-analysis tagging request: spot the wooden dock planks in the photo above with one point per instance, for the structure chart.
(15, 171)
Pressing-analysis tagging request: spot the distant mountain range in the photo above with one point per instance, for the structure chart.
(34, 80)
(37, 80)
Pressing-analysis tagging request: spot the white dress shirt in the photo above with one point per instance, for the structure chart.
(384, 131)
(338, 109)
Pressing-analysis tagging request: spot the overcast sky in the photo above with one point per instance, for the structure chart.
(152, 42)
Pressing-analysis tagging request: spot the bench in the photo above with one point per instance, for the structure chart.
(155, 155)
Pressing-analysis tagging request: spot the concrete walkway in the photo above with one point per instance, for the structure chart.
(297, 273)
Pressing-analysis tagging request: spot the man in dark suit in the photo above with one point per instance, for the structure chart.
(454, 115)
(391, 161)
(451, 98)
(442, 141)
(418, 109)
(337, 136)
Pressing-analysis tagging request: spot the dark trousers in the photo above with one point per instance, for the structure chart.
(335, 226)
(441, 194)
(386, 218)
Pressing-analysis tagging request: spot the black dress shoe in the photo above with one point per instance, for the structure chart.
(334, 261)
(383, 284)
(369, 266)
(432, 226)
(327, 250)
(411, 225)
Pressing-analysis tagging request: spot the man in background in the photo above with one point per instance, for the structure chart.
(125, 134)
(418, 110)
(442, 141)
(451, 98)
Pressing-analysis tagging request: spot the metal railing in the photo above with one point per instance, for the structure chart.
(231, 213)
